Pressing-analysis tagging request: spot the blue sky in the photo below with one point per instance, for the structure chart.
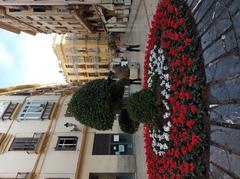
(27, 59)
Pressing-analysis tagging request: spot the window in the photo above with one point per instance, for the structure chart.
(6, 109)
(67, 143)
(82, 74)
(69, 66)
(71, 73)
(25, 144)
(93, 74)
(9, 111)
(36, 110)
(103, 66)
(80, 66)
(38, 8)
(112, 144)
(103, 74)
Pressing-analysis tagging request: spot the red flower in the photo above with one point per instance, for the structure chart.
(190, 62)
(184, 150)
(195, 139)
(190, 123)
(172, 51)
(165, 42)
(180, 48)
(182, 69)
(188, 41)
(185, 80)
(188, 95)
(193, 109)
(184, 59)
(190, 147)
(191, 79)
(176, 176)
(192, 167)
(181, 21)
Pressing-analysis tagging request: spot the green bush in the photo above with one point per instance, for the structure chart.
(126, 123)
(91, 105)
(141, 106)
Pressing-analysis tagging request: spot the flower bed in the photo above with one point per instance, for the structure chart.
(177, 141)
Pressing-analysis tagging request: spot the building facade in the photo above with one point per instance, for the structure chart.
(64, 16)
(39, 139)
(83, 57)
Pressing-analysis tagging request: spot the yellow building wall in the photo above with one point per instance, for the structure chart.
(70, 51)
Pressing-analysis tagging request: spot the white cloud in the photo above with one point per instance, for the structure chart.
(38, 57)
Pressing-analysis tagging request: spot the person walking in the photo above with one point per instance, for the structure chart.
(130, 48)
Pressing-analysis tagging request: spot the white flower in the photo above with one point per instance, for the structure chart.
(166, 115)
(166, 128)
(166, 137)
(160, 50)
(169, 124)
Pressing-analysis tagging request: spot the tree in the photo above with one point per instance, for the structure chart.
(141, 106)
(92, 103)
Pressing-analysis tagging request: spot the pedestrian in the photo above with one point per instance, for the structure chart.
(130, 48)
(110, 77)
(122, 73)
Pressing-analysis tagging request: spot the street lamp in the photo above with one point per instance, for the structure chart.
(75, 128)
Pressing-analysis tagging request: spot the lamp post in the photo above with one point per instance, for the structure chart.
(75, 128)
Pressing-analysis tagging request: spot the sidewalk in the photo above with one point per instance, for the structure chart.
(142, 12)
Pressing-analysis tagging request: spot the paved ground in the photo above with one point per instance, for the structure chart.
(142, 12)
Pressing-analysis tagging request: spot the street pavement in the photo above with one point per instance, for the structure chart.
(142, 12)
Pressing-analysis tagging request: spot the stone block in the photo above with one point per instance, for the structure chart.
(216, 173)
(234, 7)
(218, 8)
(226, 67)
(210, 72)
(225, 44)
(229, 113)
(203, 25)
(228, 90)
(230, 41)
(213, 52)
(233, 87)
(209, 36)
(226, 136)
(230, 162)
(227, 2)
(238, 41)
(222, 23)
(203, 9)
(236, 23)
(219, 92)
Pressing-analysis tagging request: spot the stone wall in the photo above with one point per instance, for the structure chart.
(218, 24)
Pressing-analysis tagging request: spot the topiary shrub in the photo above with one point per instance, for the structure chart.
(91, 105)
(126, 123)
(141, 106)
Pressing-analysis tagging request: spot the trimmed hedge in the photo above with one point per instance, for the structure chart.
(126, 123)
(91, 105)
(141, 106)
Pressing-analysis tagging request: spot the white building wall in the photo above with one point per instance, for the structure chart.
(12, 162)
(59, 162)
